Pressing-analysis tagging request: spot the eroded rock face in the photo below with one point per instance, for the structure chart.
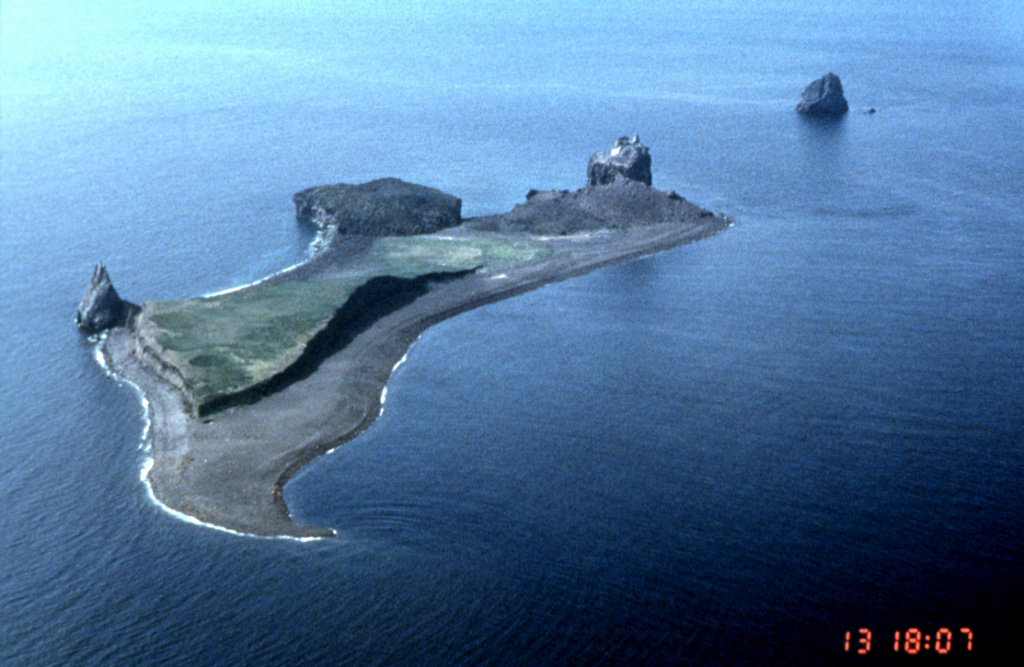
(385, 207)
(101, 307)
(823, 97)
(628, 160)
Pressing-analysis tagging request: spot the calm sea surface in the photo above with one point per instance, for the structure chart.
(734, 452)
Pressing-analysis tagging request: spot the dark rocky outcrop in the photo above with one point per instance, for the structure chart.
(385, 207)
(628, 160)
(624, 205)
(823, 97)
(618, 196)
(101, 307)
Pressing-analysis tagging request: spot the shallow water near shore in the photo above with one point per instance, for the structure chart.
(732, 452)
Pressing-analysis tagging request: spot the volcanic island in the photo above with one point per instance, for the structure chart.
(246, 387)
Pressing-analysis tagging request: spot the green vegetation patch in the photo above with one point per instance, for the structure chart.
(410, 256)
(228, 343)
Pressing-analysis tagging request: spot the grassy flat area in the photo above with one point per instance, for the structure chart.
(411, 256)
(227, 343)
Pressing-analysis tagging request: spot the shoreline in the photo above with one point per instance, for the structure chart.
(228, 470)
(146, 447)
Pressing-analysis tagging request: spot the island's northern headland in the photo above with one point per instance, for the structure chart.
(246, 387)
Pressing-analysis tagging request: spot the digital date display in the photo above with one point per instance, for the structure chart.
(910, 641)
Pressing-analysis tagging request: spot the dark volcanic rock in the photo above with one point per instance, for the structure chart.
(624, 205)
(629, 160)
(628, 200)
(823, 97)
(385, 207)
(101, 307)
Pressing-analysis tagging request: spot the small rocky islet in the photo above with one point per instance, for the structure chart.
(824, 98)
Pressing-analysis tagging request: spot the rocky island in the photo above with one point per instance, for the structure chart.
(247, 386)
(823, 98)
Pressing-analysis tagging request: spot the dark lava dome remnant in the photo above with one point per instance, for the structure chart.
(384, 207)
(628, 160)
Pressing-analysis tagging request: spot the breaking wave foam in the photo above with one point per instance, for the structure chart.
(149, 461)
(148, 464)
(255, 282)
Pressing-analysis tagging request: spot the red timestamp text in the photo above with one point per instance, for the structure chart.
(912, 641)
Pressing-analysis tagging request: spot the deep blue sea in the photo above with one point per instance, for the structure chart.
(731, 453)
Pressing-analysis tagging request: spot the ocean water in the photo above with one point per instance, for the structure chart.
(734, 452)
